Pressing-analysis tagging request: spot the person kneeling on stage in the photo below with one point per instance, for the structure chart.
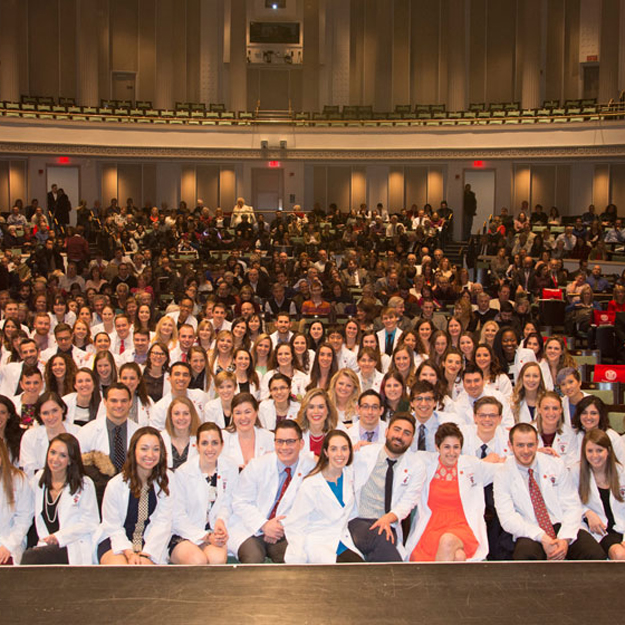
(537, 503)
(264, 497)
(138, 504)
(316, 527)
(204, 486)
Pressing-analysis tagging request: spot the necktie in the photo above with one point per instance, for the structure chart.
(369, 436)
(483, 447)
(119, 453)
(285, 485)
(183, 357)
(421, 441)
(388, 485)
(122, 348)
(540, 509)
(142, 517)
(389, 344)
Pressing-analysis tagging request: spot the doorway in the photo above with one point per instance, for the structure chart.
(68, 179)
(123, 87)
(267, 189)
(483, 185)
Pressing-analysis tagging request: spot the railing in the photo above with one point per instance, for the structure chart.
(613, 111)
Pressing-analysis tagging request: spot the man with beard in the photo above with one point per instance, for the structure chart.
(388, 482)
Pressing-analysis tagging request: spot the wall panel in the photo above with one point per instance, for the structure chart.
(124, 16)
(109, 182)
(424, 50)
(477, 51)
(500, 57)
(359, 186)
(18, 186)
(601, 187)
(416, 185)
(543, 186)
(5, 203)
(188, 185)
(563, 190)
(617, 185)
(43, 47)
(436, 186)
(555, 50)
(149, 184)
(227, 188)
(146, 80)
(522, 186)
(396, 189)
(193, 50)
(339, 186)
(67, 49)
(129, 183)
(401, 52)
(320, 179)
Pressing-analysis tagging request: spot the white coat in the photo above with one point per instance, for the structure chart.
(566, 410)
(565, 445)
(78, 519)
(93, 436)
(547, 377)
(408, 478)
(254, 390)
(256, 493)
(70, 402)
(10, 377)
(263, 444)
(353, 431)
(34, 447)
(193, 497)
(143, 412)
(267, 413)
(525, 416)
(214, 413)
(381, 334)
(473, 476)
(376, 384)
(157, 533)
(617, 443)
(502, 385)
(346, 359)
(595, 504)
(299, 382)
(522, 356)
(168, 448)
(500, 443)
(514, 506)
(463, 407)
(158, 414)
(15, 521)
(317, 521)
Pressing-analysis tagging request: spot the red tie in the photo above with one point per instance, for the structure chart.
(121, 348)
(540, 509)
(282, 491)
(184, 357)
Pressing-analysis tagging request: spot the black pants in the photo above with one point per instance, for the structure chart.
(500, 543)
(584, 547)
(255, 550)
(348, 556)
(375, 547)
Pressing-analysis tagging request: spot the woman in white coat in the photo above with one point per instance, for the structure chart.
(283, 361)
(50, 416)
(511, 357)
(316, 528)
(66, 508)
(529, 387)
(280, 405)
(83, 404)
(600, 481)
(181, 425)
(204, 487)
(493, 376)
(554, 436)
(219, 410)
(450, 525)
(143, 485)
(16, 509)
(244, 438)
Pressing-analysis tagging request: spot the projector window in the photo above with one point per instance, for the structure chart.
(274, 32)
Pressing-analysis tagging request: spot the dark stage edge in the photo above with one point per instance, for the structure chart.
(433, 594)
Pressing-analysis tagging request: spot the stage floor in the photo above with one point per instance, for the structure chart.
(432, 594)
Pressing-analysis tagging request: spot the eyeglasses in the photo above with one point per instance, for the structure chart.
(158, 354)
(487, 416)
(289, 442)
(279, 388)
(370, 406)
(423, 400)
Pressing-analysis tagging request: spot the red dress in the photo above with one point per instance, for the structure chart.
(447, 517)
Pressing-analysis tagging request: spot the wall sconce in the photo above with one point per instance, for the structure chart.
(264, 145)
(283, 145)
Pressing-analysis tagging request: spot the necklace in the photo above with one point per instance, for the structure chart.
(51, 503)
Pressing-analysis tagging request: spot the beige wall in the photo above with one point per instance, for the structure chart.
(389, 52)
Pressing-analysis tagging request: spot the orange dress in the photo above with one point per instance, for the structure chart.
(447, 517)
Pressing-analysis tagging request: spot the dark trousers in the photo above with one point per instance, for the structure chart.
(50, 554)
(584, 547)
(467, 226)
(500, 543)
(348, 556)
(372, 545)
(255, 550)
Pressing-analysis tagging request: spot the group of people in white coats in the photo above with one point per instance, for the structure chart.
(424, 485)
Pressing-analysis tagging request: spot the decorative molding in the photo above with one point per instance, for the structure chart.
(606, 151)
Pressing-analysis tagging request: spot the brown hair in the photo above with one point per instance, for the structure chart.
(159, 472)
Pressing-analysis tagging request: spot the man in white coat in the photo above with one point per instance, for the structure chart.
(388, 483)
(423, 402)
(265, 493)
(538, 504)
(488, 441)
(112, 434)
(179, 378)
(474, 383)
(388, 337)
(369, 428)
(283, 332)
(11, 372)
